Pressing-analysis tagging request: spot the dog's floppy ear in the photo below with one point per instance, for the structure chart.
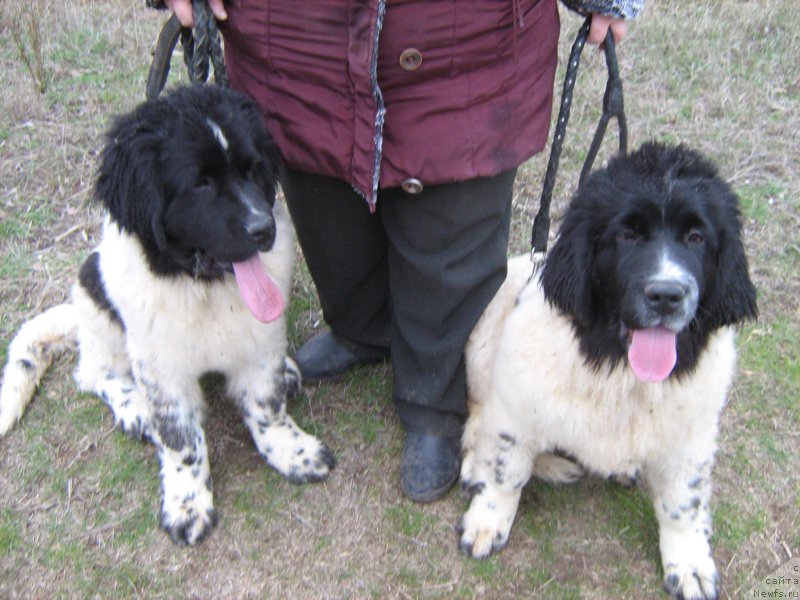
(566, 278)
(731, 295)
(127, 180)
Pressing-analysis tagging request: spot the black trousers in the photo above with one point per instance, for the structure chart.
(414, 277)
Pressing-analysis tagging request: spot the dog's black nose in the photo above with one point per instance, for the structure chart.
(261, 228)
(665, 296)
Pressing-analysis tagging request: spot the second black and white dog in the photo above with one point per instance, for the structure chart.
(189, 278)
(618, 352)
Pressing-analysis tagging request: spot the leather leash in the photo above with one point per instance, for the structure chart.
(613, 106)
(201, 45)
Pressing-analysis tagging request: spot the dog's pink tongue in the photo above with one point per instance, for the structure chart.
(652, 354)
(258, 291)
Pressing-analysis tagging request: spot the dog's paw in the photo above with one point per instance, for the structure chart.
(186, 526)
(188, 515)
(692, 581)
(689, 571)
(187, 504)
(468, 474)
(485, 527)
(295, 454)
(130, 407)
(292, 379)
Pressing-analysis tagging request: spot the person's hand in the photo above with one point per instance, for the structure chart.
(600, 26)
(183, 10)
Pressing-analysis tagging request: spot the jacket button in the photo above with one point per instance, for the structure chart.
(412, 186)
(410, 59)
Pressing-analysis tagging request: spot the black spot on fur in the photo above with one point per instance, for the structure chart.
(91, 280)
(172, 435)
(276, 405)
(671, 585)
(509, 439)
(25, 364)
(696, 483)
(472, 488)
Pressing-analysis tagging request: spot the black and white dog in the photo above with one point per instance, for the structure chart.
(189, 278)
(619, 352)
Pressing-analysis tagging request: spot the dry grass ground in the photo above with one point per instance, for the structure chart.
(79, 501)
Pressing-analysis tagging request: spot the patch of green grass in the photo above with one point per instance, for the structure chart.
(63, 553)
(367, 427)
(408, 519)
(540, 522)
(88, 413)
(755, 200)
(140, 526)
(771, 353)
(38, 458)
(125, 466)
(408, 577)
(10, 532)
(734, 524)
(41, 214)
(744, 466)
(323, 543)
(15, 266)
(487, 569)
(632, 519)
(91, 67)
(537, 576)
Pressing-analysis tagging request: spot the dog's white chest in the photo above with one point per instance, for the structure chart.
(202, 326)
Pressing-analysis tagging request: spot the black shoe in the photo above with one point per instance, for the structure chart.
(326, 357)
(430, 466)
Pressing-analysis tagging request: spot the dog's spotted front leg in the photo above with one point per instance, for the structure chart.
(187, 504)
(128, 403)
(681, 494)
(499, 469)
(261, 397)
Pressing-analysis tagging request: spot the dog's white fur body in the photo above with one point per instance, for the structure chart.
(175, 322)
(176, 330)
(531, 392)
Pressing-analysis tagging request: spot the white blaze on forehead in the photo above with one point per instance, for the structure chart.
(671, 270)
(248, 202)
(668, 269)
(217, 131)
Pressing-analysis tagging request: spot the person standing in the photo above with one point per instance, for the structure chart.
(402, 124)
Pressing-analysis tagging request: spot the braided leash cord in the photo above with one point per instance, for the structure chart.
(202, 45)
(613, 106)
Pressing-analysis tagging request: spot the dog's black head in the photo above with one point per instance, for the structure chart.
(192, 175)
(650, 248)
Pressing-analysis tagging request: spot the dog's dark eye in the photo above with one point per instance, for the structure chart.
(204, 182)
(695, 237)
(627, 235)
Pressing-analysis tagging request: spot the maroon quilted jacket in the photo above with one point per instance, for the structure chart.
(399, 92)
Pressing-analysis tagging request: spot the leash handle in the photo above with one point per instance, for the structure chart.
(165, 46)
(201, 44)
(613, 106)
(541, 224)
